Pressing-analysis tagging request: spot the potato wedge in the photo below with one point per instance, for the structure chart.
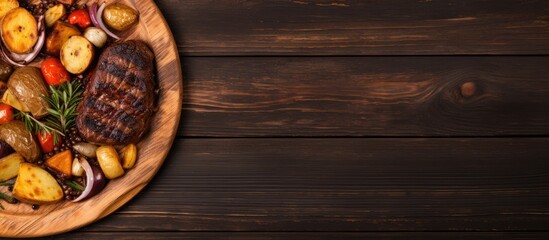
(9, 166)
(61, 32)
(109, 162)
(10, 99)
(6, 6)
(21, 140)
(77, 54)
(36, 186)
(61, 163)
(129, 156)
(54, 13)
(19, 30)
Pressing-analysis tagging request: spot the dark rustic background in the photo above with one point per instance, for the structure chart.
(385, 119)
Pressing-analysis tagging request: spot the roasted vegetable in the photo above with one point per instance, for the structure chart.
(27, 85)
(129, 155)
(53, 71)
(10, 99)
(36, 186)
(6, 6)
(22, 141)
(5, 71)
(86, 149)
(96, 36)
(77, 169)
(6, 113)
(9, 166)
(77, 54)
(119, 16)
(60, 33)
(61, 163)
(47, 141)
(54, 13)
(19, 30)
(109, 161)
(80, 17)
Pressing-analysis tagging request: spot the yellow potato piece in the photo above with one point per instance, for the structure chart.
(109, 162)
(35, 185)
(9, 166)
(19, 30)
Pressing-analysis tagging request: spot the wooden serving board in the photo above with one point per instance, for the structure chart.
(20, 220)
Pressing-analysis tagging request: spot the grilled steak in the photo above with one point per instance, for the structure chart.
(119, 98)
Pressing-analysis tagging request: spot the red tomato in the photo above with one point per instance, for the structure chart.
(6, 113)
(46, 141)
(54, 72)
(81, 18)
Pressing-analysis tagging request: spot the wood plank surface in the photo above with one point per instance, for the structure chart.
(342, 184)
(365, 96)
(306, 235)
(357, 27)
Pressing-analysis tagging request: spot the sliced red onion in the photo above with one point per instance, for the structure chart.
(92, 10)
(89, 180)
(95, 180)
(24, 59)
(99, 19)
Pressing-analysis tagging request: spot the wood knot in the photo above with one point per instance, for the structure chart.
(468, 89)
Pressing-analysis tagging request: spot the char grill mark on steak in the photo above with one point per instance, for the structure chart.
(120, 95)
(104, 130)
(124, 74)
(102, 108)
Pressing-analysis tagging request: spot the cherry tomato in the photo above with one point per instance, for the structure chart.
(81, 18)
(54, 72)
(6, 113)
(46, 141)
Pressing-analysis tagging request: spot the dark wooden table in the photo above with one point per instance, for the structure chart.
(387, 119)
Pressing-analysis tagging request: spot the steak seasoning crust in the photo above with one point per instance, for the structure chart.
(119, 99)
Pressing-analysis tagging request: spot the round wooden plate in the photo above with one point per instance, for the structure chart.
(19, 220)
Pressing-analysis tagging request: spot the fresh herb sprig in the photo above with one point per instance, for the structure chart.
(63, 101)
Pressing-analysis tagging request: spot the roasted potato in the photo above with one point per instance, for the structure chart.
(6, 6)
(109, 162)
(54, 13)
(27, 85)
(129, 156)
(19, 30)
(77, 54)
(9, 166)
(21, 140)
(36, 186)
(61, 32)
(119, 16)
(10, 99)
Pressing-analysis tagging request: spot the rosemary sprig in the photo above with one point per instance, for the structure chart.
(63, 101)
(36, 125)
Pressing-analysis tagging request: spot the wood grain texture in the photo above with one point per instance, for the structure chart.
(357, 27)
(342, 184)
(366, 96)
(306, 235)
(21, 221)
